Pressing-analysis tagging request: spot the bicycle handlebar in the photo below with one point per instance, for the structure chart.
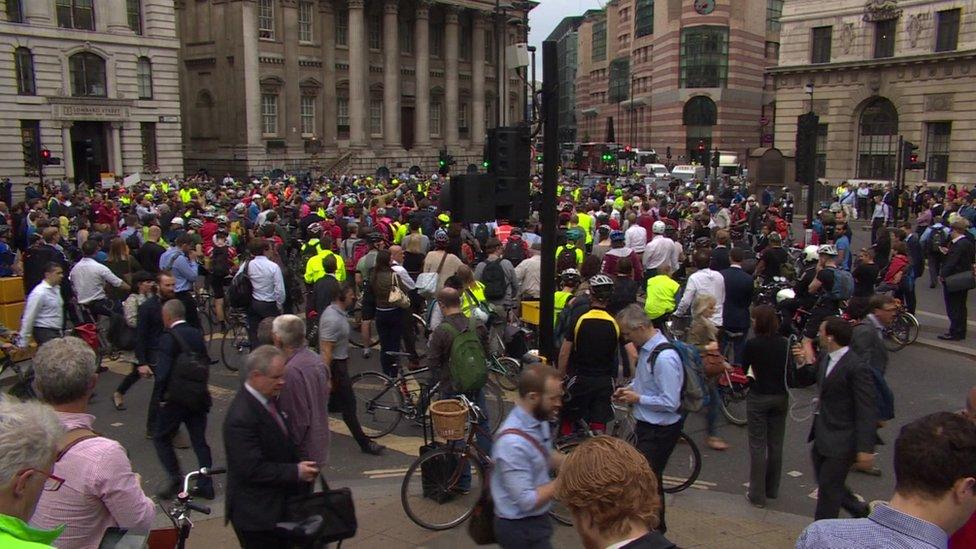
(202, 472)
(198, 508)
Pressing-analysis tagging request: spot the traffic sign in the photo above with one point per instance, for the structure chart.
(767, 138)
(763, 121)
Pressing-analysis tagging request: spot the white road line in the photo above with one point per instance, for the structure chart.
(384, 471)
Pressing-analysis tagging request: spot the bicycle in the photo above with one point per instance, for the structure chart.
(205, 310)
(23, 386)
(235, 344)
(373, 339)
(684, 465)
(179, 512)
(902, 332)
(733, 387)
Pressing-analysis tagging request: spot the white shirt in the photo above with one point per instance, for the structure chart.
(88, 277)
(256, 394)
(266, 280)
(833, 358)
(636, 238)
(658, 252)
(405, 277)
(44, 309)
(529, 276)
(705, 281)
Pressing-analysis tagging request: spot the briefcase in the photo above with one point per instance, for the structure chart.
(334, 506)
(436, 473)
(960, 282)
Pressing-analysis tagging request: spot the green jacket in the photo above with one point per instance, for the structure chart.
(17, 534)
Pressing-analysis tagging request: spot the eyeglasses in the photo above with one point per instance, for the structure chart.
(52, 483)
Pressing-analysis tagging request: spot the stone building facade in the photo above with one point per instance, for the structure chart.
(677, 74)
(94, 82)
(874, 71)
(356, 84)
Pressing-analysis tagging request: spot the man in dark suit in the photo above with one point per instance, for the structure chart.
(738, 296)
(149, 330)
(958, 259)
(720, 253)
(263, 467)
(179, 339)
(843, 432)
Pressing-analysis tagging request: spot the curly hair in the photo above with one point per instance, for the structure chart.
(612, 482)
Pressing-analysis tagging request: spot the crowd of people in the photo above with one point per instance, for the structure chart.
(655, 285)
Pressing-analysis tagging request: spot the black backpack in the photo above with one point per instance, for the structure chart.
(133, 242)
(240, 290)
(493, 277)
(514, 252)
(566, 259)
(482, 233)
(187, 385)
(937, 239)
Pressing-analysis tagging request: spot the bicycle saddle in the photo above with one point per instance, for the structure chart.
(308, 529)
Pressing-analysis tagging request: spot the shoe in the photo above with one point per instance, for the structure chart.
(946, 337)
(716, 443)
(873, 470)
(753, 503)
(118, 402)
(373, 448)
(206, 492)
(366, 352)
(168, 489)
(181, 441)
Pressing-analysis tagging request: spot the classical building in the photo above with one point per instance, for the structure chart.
(349, 84)
(874, 71)
(567, 52)
(677, 74)
(92, 81)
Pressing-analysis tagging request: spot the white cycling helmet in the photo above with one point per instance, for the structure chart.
(659, 227)
(827, 249)
(811, 253)
(784, 294)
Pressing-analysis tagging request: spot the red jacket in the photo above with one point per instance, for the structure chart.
(965, 537)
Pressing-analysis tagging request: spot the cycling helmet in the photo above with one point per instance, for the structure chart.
(570, 277)
(659, 227)
(835, 207)
(195, 223)
(811, 253)
(616, 236)
(375, 238)
(574, 234)
(315, 228)
(827, 249)
(784, 294)
(221, 219)
(601, 286)
(440, 235)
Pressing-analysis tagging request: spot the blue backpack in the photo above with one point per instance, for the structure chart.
(693, 394)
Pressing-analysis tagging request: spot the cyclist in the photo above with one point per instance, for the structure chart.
(364, 274)
(588, 355)
(822, 289)
(569, 281)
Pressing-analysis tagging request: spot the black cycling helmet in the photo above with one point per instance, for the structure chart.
(375, 238)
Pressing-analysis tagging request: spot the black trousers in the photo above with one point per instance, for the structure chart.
(527, 533)
(259, 539)
(657, 443)
(833, 494)
(766, 417)
(43, 335)
(876, 224)
(344, 401)
(935, 265)
(190, 305)
(955, 304)
(258, 311)
(171, 415)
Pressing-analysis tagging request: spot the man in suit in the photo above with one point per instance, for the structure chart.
(180, 338)
(738, 296)
(958, 259)
(263, 467)
(843, 432)
(149, 330)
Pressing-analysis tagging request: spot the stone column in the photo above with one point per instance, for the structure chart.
(358, 69)
(39, 13)
(421, 49)
(478, 80)
(67, 154)
(327, 104)
(250, 76)
(291, 99)
(116, 133)
(116, 18)
(451, 30)
(391, 76)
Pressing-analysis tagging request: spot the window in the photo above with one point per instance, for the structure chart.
(704, 57)
(937, 151)
(436, 44)
(375, 31)
(376, 116)
(342, 117)
(820, 156)
(644, 22)
(87, 72)
(774, 10)
(269, 113)
(342, 28)
(24, 67)
(15, 11)
(490, 47)
(884, 38)
(150, 160)
(308, 115)
(820, 44)
(464, 44)
(133, 13)
(266, 19)
(772, 50)
(76, 14)
(435, 118)
(619, 79)
(144, 78)
(947, 32)
(463, 110)
(599, 52)
(877, 140)
(698, 117)
(305, 11)
(30, 135)
(406, 36)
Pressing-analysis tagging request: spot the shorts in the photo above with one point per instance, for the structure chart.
(217, 283)
(368, 305)
(588, 398)
(817, 315)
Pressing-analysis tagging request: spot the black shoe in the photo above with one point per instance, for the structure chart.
(873, 471)
(206, 492)
(946, 337)
(373, 448)
(169, 489)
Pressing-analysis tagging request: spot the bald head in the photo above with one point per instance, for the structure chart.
(396, 253)
(155, 233)
(450, 300)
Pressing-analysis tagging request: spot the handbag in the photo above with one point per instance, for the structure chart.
(334, 506)
(427, 282)
(714, 363)
(397, 296)
(960, 282)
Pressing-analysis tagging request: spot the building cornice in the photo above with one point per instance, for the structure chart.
(861, 64)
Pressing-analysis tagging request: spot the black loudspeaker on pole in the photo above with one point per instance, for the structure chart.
(550, 155)
(806, 154)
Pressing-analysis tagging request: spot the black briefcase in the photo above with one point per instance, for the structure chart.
(334, 506)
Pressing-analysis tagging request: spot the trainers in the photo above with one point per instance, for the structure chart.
(373, 448)
(716, 443)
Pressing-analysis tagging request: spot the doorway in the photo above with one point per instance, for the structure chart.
(406, 127)
(89, 145)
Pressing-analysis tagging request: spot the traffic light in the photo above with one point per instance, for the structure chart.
(89, 151)
(668, 154)
(48, 160)
(715, 159)
(909, 153)
(443, 162)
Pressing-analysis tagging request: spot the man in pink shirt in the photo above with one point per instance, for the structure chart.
(100, 489)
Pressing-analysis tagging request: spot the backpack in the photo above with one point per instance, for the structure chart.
(566, 259)
(514, 251)
(187, 385)
(843, 287)
(132, 241)
(693, 393)
(937, 239)
(493, 277)
(359, 250)
(240, 289)
(468, 363)
(220, 261)
(482, 233)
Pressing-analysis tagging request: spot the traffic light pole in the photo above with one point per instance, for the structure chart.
(899, 176)
(550, 102)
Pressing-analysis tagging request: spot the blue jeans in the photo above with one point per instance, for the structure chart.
(711, 413)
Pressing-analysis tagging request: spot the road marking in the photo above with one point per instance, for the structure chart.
(117, 424)
(941, 317)
(384, 471)
(795, 474)
(399, 443)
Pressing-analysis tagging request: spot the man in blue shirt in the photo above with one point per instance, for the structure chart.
(655, 393)
(181, 261)
(843, 245)
(523, 457)
(935, 491)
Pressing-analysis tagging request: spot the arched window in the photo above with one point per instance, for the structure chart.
(699, 115)
(877, 142)
(24, 67)
(144, 78)
(87, 75)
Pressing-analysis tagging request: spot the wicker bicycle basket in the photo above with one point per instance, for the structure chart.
(449, 418)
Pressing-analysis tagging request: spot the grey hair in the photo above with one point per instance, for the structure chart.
(64, 370)
(175, 309)
(632, 316)
(260, 360)
(29, 434)
(290, 329)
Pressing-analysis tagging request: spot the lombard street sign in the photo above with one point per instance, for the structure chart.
(64, 108)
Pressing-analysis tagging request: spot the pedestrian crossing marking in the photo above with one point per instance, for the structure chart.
(399, 443)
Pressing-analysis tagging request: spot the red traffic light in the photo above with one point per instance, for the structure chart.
(701, 146)
(45, 154)
(913, 158)
(627, 148)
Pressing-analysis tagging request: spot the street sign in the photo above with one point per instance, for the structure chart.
(763, 121)
(767, 138)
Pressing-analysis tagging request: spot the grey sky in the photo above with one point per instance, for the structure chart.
(547, 15)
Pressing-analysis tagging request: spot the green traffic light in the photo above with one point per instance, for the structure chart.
(485, 164)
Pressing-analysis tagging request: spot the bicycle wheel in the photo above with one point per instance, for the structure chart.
(559, 512)
(497, 407)
(235, 346)
(379, 404)
(355, 332)
(732, 402)
(441, 488)
(683, 466)
(902, 332)
(508, 373)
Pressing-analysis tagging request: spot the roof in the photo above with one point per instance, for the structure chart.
(567, 25)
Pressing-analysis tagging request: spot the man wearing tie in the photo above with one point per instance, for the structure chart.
(843, 431)
(263, 467)
(959, 257)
